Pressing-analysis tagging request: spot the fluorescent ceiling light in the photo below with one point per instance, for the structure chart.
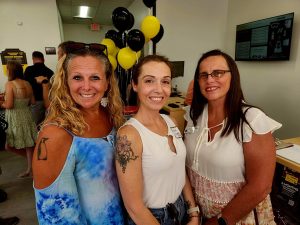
(84, 12)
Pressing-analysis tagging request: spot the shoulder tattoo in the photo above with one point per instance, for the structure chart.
(42, 149)
(124, 152)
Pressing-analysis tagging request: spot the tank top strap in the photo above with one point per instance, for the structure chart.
(168, 120)
(55, 124)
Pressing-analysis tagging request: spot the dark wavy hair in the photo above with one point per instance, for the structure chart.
(234, 103)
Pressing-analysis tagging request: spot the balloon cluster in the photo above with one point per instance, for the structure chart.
(124, 45)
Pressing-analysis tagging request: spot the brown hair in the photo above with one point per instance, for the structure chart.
(149, 58)
(15, 70)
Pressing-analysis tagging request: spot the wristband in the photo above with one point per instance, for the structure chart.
(194, 209)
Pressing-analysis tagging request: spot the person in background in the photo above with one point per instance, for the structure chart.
(21, 132)
(230, 148)
(189, 93)
(73, 164)
(43, 80)
(63, 48)
(31, 73)
(150, 153)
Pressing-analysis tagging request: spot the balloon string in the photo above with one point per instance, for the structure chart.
(150, 11)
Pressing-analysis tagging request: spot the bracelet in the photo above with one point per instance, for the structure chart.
(194, 209)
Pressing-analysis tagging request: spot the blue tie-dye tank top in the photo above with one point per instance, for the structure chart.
(86, 191)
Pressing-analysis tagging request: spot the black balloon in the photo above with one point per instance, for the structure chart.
(131, 21)
(121, 18)
(159, 35)
(149, 3)
(112, 34)
(135, 39)
(121, 40)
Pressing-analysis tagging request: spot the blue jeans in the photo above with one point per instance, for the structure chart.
(173, 214)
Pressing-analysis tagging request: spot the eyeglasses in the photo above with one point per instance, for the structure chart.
(216, 74)
(77, 46)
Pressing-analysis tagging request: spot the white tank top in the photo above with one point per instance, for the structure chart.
(163, 169)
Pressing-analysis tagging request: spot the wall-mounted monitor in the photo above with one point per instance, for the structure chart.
(178, 68)
(265, 40)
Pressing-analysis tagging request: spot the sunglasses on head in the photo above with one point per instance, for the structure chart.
(78, 46)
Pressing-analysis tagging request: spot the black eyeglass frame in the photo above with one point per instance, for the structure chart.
(214, 74)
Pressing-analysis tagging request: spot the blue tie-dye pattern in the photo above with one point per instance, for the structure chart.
(89, 165)
(93, 153)
(49, 209)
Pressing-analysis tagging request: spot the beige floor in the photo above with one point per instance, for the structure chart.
(20, 200)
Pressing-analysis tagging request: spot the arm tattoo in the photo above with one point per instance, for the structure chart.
(124, 152)
(42, 149)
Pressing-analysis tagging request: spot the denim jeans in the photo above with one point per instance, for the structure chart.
(165, 216)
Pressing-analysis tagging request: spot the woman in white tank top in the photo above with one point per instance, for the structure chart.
(150, 155)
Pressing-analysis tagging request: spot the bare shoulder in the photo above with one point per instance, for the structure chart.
(128, 149)
(130, 136)
(52, 147)
(128, 130)
(9, 84)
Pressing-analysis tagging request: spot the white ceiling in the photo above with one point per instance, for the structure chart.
(101, 10)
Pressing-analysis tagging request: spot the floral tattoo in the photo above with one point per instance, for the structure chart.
(124, 152)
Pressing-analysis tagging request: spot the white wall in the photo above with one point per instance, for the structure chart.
(190, 28)
(273, 86)
(40, 29)
(83, 33)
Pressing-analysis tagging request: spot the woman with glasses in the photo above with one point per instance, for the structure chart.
(150, 153)
(73, 165)
(230, 148)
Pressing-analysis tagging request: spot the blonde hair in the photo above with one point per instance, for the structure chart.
(64, 111)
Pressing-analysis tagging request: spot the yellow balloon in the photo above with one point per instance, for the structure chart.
(110, 44)
(126, 58)
(115, 52)
(147, 39)
(150, 26)
(138, 54)
(113, 61)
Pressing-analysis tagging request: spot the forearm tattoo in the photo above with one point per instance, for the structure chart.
(42, 149)
(124, 152)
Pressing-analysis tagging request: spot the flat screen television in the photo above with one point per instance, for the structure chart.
(265, 40)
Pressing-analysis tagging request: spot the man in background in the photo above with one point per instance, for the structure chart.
(31, 73)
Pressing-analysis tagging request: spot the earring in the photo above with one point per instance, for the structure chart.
(104, 101)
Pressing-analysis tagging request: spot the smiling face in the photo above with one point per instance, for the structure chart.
(87, 81)
(154, 85)
(214, 89)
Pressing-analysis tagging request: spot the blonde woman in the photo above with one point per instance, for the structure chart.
(73, 165)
